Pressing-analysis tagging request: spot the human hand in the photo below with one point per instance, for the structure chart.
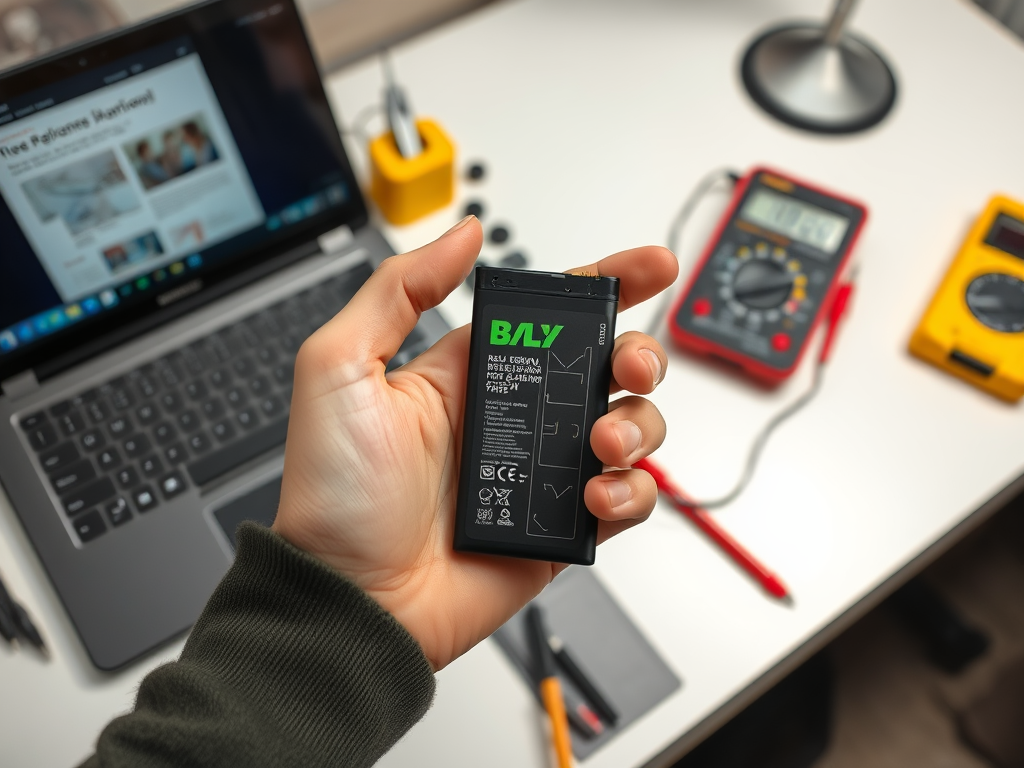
(371, 463)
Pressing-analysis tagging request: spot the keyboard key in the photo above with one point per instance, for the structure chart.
(172, 484)
(266, 355)
(170, 401)
(259, 386)
(108, 459)
(213, 409)
(243, 367)
(120, 427)
(220, 378)
(236, 396)
(195, 390)
(98, 411)
(199, 442)
(73, 476)
(192, 360)
(246, 335)
(92, 440)
(146, 413)
(89, 496)
(175, 454)
(283, 373)
(271, 406)
(120, 397)
(147, 386)
(127, 477)
(164, 433)
(84, 397)
(60, 408)
(32, 421)
(89, 526)
(223, 431)
(247, 418)
(117, 511)
(188, 421)
(292, 341)
(144, 499)
(151, 466)
(71, 423)
(136, 445)
(59, 457)
(257, 442)
(42, 437)
(167, 373)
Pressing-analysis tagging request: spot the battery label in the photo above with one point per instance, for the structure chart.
(534, 423)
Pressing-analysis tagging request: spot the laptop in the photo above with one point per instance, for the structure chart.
(177, 214)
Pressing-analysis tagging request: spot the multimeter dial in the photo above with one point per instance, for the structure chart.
(762, 284)
(997, 300)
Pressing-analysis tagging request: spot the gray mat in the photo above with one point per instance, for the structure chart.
(606, 644)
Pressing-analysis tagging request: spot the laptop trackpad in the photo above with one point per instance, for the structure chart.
(259, 505)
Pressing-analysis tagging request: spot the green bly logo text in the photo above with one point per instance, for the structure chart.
(503, 336)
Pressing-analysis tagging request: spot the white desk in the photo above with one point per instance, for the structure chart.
(595, 118)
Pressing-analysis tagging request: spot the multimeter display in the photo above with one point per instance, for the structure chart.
(767, 274)
(1007, 235)
(802, 222)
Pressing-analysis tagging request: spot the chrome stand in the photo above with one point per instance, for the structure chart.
(819, 78)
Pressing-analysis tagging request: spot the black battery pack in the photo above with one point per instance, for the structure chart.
(539, 373)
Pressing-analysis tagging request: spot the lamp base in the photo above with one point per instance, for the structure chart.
(799, 78)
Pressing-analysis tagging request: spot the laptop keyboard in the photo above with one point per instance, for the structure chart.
(124, 448)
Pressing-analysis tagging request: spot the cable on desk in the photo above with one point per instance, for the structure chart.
(704, 186)
(836, 311)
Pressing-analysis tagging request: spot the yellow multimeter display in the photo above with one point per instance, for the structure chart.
(974, 327)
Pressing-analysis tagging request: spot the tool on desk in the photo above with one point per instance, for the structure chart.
(606, 645)
(568, 662)
(768, 274)
(550, 688)
(400, 118)
(974, 326)
(412, 166)
(700, 517)
(15, 621)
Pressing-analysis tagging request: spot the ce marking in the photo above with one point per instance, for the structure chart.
(509, 474)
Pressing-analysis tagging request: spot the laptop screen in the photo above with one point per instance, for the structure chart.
(156, 163)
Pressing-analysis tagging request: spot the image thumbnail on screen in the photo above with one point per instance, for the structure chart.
(166, 154)
(84, 193)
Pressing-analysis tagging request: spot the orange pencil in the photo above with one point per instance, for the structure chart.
(550, 688)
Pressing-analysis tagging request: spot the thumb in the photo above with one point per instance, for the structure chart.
(375, 322)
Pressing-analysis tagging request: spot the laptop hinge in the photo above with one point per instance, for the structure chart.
(25, 383)
(336, 239)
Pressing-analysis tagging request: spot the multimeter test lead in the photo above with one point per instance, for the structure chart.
(772, 584)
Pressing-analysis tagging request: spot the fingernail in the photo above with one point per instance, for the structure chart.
(654, 363)
(629, 437)
(619, 492)
(460, 225)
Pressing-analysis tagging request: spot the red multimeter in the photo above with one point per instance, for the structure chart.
(768, 274)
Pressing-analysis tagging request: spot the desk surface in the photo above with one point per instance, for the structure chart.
(595, 118)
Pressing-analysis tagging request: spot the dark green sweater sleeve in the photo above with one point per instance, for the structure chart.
(289, 665)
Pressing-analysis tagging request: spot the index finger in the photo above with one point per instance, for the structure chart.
(642, 272)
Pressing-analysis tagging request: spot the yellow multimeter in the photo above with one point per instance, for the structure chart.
(974, 326)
